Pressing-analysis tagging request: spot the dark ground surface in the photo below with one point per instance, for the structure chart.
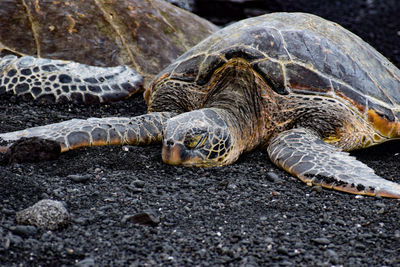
(233, 215)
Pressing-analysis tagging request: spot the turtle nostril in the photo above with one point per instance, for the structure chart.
(169, 143)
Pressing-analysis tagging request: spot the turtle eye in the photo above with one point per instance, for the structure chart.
(196, 141)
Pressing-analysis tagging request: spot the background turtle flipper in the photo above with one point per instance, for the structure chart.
(51, 81)
(76, 133)
(302, 153)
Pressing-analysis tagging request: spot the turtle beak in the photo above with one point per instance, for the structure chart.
(177, 154)
(173, 153)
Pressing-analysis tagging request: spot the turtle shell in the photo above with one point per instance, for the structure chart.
(298, 53)
(146, 35)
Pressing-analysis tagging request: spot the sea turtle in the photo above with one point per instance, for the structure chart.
(305, 89)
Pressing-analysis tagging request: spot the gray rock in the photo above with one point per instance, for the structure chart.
(47, 213)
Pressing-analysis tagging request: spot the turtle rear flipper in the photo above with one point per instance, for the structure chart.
(302, 153)
(76, 133)
(50, 81)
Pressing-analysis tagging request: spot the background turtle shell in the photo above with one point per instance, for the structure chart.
(300, 53)
(146, 35)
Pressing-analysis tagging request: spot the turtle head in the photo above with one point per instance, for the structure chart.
(198, 138)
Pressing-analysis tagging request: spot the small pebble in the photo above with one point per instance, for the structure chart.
(138, 183)
(8, 211)
(268, 240)
(321, 241)
(332, 256)
(283, 251)
(87, 262)
(360, 246)
(143, 218)
(224, 183)
(79, 178)
(232, 186)
(317, 188)
(81, 220)
(14, 240)
(24, 230)
(133, 189)
(397, 233)
(273, 177)
(274, 193)
(286, 263)
(340, 222)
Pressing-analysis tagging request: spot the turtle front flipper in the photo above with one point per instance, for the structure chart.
(302, 153)
(51, 81)
(76, 133)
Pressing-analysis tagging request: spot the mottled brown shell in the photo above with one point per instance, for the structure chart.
(297, 53)
(147, 35)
